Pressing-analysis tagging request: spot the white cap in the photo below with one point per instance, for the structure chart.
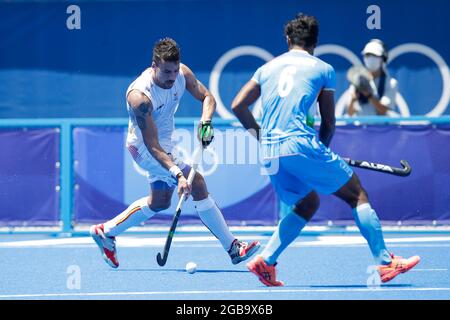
(375, 48)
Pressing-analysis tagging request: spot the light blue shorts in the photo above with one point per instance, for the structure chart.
(305, 165)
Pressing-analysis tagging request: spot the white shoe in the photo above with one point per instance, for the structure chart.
(241, 251)
(106, 244)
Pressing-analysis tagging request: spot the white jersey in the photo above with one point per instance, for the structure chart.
(165, 103)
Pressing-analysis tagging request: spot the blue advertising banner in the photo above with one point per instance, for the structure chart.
(107, 180)
(422, 197)
(76, 59)
(29, 177)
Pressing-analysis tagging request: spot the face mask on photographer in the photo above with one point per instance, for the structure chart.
(373, 63)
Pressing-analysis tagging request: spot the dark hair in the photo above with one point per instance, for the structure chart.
(166, 49)
(302, 31)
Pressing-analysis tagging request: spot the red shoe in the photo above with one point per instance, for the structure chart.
(106, 244)
(240, 251)
(265, 273)
(398, 265)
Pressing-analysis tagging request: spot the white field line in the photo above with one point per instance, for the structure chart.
(200, 241)
(421, 270)
(206, 292)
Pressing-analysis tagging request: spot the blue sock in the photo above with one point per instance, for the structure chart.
(368, 223)
(287, 231)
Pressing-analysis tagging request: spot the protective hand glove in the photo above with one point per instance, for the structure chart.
(205, 133)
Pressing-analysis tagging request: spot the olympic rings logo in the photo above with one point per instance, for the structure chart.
(341, 51)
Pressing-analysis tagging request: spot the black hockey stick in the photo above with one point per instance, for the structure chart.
(402, 172)
(162, 259)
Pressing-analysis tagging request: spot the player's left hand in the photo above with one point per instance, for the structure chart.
(205, 132)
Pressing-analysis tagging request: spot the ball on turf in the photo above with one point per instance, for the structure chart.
(191, 267)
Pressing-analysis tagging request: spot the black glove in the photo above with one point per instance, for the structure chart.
(205, 132)
(361, 78)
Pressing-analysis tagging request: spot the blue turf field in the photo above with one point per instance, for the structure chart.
(314, 267)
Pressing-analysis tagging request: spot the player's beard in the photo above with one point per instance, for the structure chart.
(169, 84)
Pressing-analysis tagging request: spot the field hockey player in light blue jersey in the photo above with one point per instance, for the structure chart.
(289, 85)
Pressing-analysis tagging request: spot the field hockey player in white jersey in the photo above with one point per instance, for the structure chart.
(152, 100)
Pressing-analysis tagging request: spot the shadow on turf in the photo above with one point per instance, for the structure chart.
(178, 270)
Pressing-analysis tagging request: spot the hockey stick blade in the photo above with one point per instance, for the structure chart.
(406, 171)
(162, 259)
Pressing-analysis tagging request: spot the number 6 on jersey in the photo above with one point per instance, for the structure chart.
(286, 81)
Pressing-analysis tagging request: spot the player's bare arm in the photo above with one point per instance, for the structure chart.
(205, 133)
(199, 92)
(351, 107)
(249, 93)
(380, 108)
(326, 108)
(142, 108)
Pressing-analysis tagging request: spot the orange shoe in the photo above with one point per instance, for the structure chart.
(398, 265)
(265, 273)
(393, 256)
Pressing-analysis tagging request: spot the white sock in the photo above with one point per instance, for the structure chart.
(134, 215)
(212, 218)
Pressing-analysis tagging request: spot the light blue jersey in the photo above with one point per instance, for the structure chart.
(290, 85)
(296, 160)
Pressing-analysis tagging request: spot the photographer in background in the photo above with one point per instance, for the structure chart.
(372, 91)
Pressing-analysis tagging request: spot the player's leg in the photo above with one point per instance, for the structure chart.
(365, 217)
(139, 211)
(290, 189)
(314, 168)
(327, 173)
(213, 219)
(162, 186)
(369, 224)
(290, 226)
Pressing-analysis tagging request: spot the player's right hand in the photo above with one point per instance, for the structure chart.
(183, 187)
